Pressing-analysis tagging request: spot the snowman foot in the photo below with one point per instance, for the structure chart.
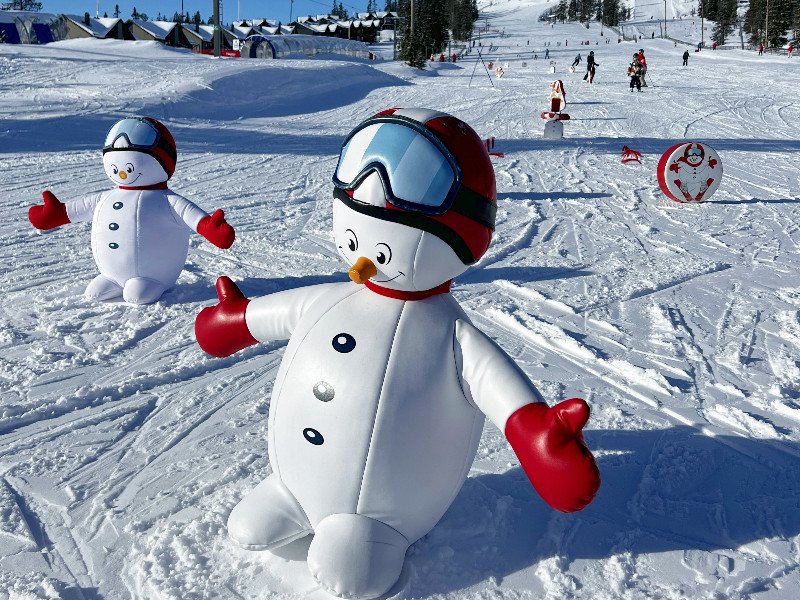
(141, 290)
(102, 288)
(268, 517)
(353, 556)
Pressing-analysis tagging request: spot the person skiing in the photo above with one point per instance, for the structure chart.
(577, 60)
(685, 58)
(547, 53)
(643, 62)
(760, 49)
(591, 65)
(635, 72)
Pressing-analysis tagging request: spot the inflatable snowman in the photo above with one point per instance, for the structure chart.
(140, 230)
(379, 403)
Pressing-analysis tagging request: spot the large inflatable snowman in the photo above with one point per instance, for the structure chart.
(379, 403)
(141, 229)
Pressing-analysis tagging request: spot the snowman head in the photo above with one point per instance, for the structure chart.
(415, 199)
(694, 154)
(139, 152)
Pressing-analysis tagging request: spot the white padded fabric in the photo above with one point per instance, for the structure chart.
(490, 379)
(151, 229)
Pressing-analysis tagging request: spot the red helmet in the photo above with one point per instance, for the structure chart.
(436, 175)
(143, 134)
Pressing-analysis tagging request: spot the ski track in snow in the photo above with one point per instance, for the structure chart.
(123, 447)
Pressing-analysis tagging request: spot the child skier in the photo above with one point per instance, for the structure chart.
(577, 60)
(635, 73)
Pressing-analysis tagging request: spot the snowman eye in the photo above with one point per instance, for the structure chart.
(114, 169)
(352, 240)
(129, 168)
(384, 256)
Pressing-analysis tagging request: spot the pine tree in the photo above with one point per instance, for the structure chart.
(197, 19)
(134, 13)
(116, 11)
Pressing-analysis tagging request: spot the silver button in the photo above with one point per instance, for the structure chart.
(323, 391)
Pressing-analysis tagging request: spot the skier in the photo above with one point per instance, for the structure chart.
(591, 65)
(546, 53)
(379, 402)
(577, 60)
(635, 73)
(140, 230)
(643, 62)
(760, 49)
(685, 58)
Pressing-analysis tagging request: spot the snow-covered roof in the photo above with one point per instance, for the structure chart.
(98, 28)
(158, 29)
(203, 32)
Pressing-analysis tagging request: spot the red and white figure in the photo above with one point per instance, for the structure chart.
(553, 127)
(630, 156)
(140, 229)
(379, 402)
(689, 172)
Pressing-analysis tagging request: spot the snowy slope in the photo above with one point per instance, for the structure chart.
(123, 447)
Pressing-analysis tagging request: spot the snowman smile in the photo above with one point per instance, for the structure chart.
(399, 274)
(127, 182)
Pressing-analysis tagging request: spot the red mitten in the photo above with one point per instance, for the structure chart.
(53, 214)
(222, 330)
(551, 450)
(216, 230)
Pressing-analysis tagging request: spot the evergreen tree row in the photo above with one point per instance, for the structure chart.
(610, 12)
(432, 22)
(775, 29)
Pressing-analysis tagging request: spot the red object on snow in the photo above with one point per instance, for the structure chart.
(554, 116)
(222, 330)
(689, 172)
(630, 156)
(497, 154)
(550, 447)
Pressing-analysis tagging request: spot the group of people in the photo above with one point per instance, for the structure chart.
(637, 70)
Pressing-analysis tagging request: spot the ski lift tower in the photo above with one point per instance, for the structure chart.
(217, 29)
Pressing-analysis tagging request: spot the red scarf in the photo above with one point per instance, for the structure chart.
(400, 295)
(155, 186)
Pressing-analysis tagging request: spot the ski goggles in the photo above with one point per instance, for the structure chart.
(137, 133)
(419, 174)
(695, 152)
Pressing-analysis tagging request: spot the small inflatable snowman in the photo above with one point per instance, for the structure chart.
(379, 403)
(140, 230)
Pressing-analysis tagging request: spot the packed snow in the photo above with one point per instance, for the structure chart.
(123, 447)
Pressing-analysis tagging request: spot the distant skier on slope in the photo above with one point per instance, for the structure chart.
(685, 58)
(591, 65)
(577, 60)
(643, 62)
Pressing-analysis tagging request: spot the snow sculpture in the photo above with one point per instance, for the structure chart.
(379, 403)
(140, 230)
(553, 126)
(689, 172)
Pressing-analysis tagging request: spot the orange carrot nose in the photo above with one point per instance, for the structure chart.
(123, 175)
(362, 270)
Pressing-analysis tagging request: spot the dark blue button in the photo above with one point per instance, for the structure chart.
(113, 226)
(344, 342)
(313, 436)
(117, 205)
(113, 245)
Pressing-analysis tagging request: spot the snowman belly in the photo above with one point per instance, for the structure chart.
(135, 233)
(368, 415)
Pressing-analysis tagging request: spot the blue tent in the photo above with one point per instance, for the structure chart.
(43, 33)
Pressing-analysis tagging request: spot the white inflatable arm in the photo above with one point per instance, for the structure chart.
(491, 381)
(187, 211)
(274, 317)
(82, 210)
